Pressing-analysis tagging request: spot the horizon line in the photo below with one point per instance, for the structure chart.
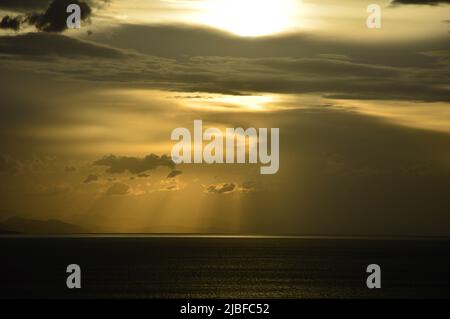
(225, 236)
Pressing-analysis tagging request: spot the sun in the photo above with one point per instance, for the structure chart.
(250, 18)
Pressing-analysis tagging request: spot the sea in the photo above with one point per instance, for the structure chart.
(238, 267)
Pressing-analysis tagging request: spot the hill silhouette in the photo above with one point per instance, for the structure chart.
(32, 226)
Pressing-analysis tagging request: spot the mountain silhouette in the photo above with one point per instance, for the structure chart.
(32, 226)
(7, 232)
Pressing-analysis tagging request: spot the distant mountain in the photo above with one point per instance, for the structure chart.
(32, 226)
(7, 232)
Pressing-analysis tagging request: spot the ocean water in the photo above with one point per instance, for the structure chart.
(222, 267)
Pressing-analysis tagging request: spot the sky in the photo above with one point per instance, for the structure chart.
(86, 115)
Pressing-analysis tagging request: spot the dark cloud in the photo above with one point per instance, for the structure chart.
(223, 188)
(381, 72)
(201, 60)
(421, 2)
(349, 79)
(54, 45)
(24, 5)
(12, 23)
(91, 178)
(327, 77)
(53, 19)
(117, 189)
(34, 5)
(174, 173)
(135, 165)
(328, 67)
(182, 42)
(442, 57)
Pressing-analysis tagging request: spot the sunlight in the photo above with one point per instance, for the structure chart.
(230, 103)
(250, 18)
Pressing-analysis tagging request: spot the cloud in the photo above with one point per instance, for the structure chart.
(55, 45)
(171, 185)
(248, 186)
(33, 5)
(442, 57)
(223, 188)
(117, 189)
(135, 165)
(91, 178)
(53, 19)
(24, 5)
(328, 67)
(8, 164)
(311, 137)
(10, 23)
(327, 77)
(411, 76)
(174, 173)
(176, 42)
(378, 73)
